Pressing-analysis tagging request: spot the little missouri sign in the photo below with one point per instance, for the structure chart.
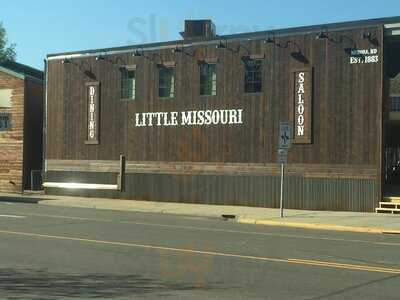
(190, 118)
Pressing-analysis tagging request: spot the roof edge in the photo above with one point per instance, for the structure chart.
(249, 35)
(12, 73)
(21, 71)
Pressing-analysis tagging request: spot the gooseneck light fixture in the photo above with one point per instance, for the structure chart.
(137, 53)
(241, 46)
(372, 39)
(181, 49)
(83, 66)
(222, 45)
(270, 39)
(296, 54)
(322, 35)
(140, 53)
(115, 61)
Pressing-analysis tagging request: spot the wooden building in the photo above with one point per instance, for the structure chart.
(197, 120)
(21, 126)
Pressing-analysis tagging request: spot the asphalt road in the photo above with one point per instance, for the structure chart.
(49, 252)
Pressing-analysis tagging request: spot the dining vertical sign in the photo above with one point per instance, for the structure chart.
(302, 131)
(93, 112)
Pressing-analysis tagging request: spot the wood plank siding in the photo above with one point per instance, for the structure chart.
(346, 129)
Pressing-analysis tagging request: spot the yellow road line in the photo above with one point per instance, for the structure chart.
(344, 266)
(218, 230)
(365, 268)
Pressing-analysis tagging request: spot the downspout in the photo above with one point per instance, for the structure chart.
(44, 142)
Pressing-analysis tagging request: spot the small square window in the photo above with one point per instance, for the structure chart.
(128, 84)
(208, 79)
(5, 98)
(5, 121)
(166, 82)
(253, 76)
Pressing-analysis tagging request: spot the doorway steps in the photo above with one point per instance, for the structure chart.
(389, 205)
(31, 192)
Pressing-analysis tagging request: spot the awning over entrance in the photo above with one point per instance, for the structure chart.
(392, 29)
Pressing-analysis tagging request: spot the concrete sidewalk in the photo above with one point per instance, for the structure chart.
(323, 220)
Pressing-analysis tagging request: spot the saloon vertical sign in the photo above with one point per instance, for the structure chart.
(302, 131)
(93, 113)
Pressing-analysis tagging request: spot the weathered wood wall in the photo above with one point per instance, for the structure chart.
(346, 123)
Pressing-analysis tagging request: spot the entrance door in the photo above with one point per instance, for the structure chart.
(392, 125)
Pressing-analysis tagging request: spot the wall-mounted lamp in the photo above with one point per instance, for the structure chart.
(269, 40)
(241, 46)
(83, 66)
(221, 45)
(372, 39)
(140, 53)
(299, 56)
(90, 74)
(177, 50)
(366, 35)
(181, 49)
(322, 35)
(137, 53)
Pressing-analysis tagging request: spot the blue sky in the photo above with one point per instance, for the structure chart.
(41, 27)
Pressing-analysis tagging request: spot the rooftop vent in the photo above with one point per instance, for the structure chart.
(198, 30)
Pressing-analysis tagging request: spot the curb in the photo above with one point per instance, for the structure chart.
(390, 232)
(239, 219)
(19, 199)
(317, 226)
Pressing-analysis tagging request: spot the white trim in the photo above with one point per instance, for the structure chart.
(73, 185)
(395, 25)
(12, 73)
(392, 29)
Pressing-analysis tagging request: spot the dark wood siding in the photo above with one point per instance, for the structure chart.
(347, 107)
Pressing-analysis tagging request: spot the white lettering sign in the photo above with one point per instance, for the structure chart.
(92, 122)
(190, 118)
(92, 113)
(364, 56)
(300, 104)
(302, 109)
